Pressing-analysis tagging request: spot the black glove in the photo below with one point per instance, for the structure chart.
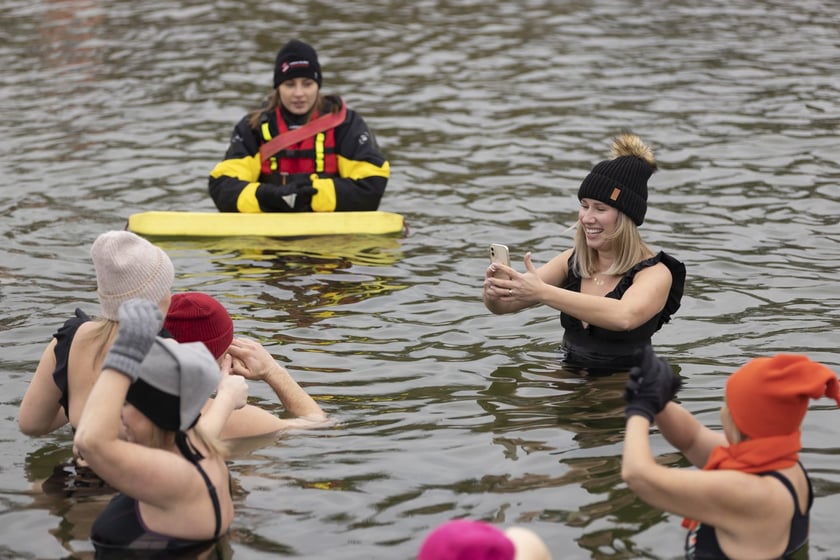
(284, 198)
(651, 385)
(140, 321)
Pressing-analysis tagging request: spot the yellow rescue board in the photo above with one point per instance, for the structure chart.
(298, 224)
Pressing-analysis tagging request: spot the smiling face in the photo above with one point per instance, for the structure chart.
(298, 95)
(599, 222)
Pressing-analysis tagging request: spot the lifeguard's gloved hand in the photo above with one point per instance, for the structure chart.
(140, 321)
(284, 198)
(651, 385)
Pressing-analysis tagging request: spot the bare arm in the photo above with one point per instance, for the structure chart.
(642, 301)
(682, 430)
(153, 476)
(231, 395)
(40, 412)
(678, 491)
(497, 291)
(254, 362)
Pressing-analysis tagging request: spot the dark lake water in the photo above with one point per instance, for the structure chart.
(490, 114)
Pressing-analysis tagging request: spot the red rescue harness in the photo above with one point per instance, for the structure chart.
(303, 150)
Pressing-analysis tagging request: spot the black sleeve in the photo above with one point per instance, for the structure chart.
(357, 147)
(240, 167)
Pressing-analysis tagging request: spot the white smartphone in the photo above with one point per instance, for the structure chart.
(499, 254)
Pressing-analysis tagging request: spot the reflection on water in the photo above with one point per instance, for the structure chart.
(372, 250)
(491, 114)
(299, 281)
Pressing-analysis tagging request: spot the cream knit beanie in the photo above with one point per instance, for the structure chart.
(127, 266)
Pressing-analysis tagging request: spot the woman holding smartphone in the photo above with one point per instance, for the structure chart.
(612, 290)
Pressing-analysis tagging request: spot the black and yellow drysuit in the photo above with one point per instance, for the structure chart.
(338, 170)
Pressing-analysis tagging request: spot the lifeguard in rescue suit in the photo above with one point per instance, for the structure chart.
(301, 151)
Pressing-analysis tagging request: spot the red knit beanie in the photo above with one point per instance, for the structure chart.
(198, 317)
(769, 396)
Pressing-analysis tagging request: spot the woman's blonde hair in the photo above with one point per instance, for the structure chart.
(628, 244)
(103, 332)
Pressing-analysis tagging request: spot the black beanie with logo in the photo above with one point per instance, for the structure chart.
(296, 59)
(621, 182)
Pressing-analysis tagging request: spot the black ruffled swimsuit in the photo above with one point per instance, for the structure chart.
(63, 340)
(595, 348)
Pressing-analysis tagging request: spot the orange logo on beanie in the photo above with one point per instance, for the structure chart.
(614, 196)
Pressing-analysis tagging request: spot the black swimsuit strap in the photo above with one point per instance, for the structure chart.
(217, 508)
(193, 456)
(784, 480)
(789, 485)
(799, 521)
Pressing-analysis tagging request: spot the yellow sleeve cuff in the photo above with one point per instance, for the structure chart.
(324, 200)
(247, 202)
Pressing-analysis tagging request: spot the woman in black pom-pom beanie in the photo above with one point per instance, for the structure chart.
(613, 292)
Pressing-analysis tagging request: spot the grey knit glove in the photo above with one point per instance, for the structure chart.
(140, 321)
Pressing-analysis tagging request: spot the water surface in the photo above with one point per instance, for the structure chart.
(491, 115)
